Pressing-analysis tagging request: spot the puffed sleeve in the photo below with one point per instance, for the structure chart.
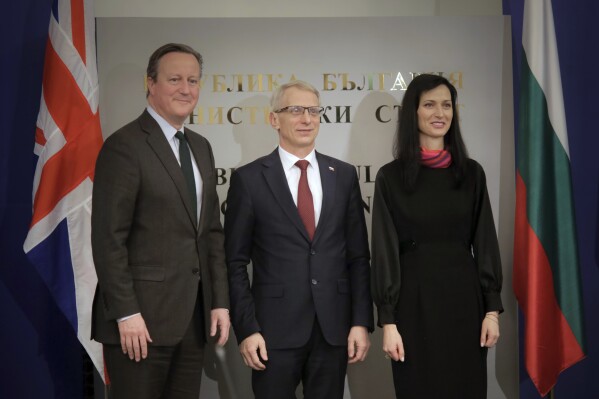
(485, 246)
(385, 279)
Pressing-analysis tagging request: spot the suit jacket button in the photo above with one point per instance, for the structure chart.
(195, 271)
(312, 252)
(314, 281)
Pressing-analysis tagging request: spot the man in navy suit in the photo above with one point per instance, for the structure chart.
(297, 215)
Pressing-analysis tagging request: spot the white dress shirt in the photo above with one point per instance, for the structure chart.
(293, 173)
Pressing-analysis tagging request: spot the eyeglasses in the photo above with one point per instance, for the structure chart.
(297, 110)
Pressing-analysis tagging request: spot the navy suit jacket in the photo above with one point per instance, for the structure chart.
(295, 279)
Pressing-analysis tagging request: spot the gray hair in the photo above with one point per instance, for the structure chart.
(277, 95)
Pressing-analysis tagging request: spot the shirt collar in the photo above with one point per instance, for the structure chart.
(288, 160)
(168, 130)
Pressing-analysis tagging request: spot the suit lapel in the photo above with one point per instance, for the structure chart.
(276, 180)
(157, 141)
(203, 160)
(328, 180)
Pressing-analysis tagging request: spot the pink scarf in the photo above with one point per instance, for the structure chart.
(435, 158)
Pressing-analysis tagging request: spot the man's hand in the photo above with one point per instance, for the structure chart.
(358, 343)
(134, 337)
(253, 350)
(220, 322)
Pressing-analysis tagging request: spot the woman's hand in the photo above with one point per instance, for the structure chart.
(490, 330)
(392, 343)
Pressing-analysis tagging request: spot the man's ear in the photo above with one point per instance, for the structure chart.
(274, 120)
(150, 84)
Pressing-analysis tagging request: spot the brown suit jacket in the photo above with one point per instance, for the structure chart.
(148, 251)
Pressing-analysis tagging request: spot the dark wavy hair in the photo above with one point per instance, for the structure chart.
(406, 146)
(152, 70)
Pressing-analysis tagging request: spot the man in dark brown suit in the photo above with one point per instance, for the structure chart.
(158, 242)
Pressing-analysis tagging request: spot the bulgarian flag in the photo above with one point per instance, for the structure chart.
(546, 275)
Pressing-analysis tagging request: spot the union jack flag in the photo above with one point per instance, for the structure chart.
(67, 141)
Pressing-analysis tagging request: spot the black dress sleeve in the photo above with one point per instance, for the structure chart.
(485, 246)
(385, 270)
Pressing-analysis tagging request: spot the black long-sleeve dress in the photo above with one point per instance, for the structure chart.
(436, 271)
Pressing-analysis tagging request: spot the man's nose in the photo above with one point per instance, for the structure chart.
(184, 86)
(307, 118)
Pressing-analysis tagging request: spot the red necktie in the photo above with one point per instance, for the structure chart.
(305, 204)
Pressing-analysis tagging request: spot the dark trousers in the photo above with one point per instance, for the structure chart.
(169, 372)
(318, 365)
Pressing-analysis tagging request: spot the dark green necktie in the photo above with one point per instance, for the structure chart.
(187, 168)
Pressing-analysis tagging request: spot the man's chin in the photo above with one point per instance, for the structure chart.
(183, 116)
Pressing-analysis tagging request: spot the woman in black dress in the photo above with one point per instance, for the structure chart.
(436, 271)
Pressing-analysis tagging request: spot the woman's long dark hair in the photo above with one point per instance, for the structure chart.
(406, 146)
